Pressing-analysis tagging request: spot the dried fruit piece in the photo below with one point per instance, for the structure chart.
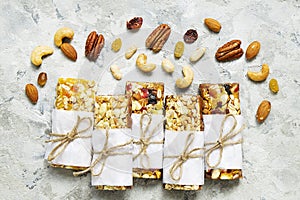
(69, 51)
(261, 75)
(252, 50)
(93, 45)
(42, 79)
(229, 51)
(263, 111)
(116, 45)
(179, 49)
(213, 25)
(190, 36)
(32, 93)
(197, 54)
(156, 40)
(134, 23)
(273, 84)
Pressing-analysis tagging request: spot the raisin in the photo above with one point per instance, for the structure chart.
(190, 36)
(227, 89)
(135, 23)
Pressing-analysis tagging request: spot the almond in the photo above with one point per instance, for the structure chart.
(42, 79)
(212, 25)
(263, 111)
(252, 50)
(32, 93)
(69, 51)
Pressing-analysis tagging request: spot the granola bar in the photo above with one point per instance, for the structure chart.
(221, 99)
(146, 97)
(183, 113)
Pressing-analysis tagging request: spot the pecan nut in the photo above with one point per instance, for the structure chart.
(134, 23)
(93, 45)
(158, 38)
(229, 51)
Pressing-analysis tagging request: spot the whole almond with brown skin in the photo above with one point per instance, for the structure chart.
(263, 111)
(252, 50)
(69, 51)
(42, 79)
(212, 24)
(32, 93)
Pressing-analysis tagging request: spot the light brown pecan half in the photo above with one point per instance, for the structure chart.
(93, 45)
(229, 51)
(158, 37)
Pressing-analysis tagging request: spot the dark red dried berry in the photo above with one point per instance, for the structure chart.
(190, 36)
(135, 23)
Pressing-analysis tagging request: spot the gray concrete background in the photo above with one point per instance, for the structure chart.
(271, 150)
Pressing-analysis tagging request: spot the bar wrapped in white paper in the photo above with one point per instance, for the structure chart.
(117, 169)
(193, 168)
(77, 154)
(232, 154)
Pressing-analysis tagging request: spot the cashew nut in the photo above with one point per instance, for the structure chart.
(167, 65)
(130, 52)
(197, 54)
(116, 72)
(261, 75)
(188, 77)
(38, 53)
(141, 63)
(62, 33)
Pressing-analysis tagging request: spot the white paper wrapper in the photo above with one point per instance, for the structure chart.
(78, 152)
(232, 154)
(193, 168)
(117, 170)
(154, 151)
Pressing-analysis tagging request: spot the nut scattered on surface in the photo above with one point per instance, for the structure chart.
(179, 49)
(190, 36)
(116, 72)
(229, 51)
(188, 77)
(252, 50)
(156, 40)
(32, 93)
(69, 51)
(116, 45)
(134, 23)
(197, 54)
(213, 25)
(261, 75)
(263, 111)
(93, 45)
(130, 52)
(167, 65)
(61, 34)
(42, 79)
(38, 53)
(141, 63)
(273, 84)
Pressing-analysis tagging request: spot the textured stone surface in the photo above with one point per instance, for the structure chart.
(271, 150)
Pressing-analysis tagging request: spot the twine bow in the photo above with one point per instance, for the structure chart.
(66, 139)
(145, 141)
(223, 141)
(182, 158)
(103, 155)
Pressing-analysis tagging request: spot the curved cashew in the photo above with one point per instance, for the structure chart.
(167, 65)
(188, 77)
(62, 33)
(115, 71)
(38, 53)
(141, 63)
(261, 75)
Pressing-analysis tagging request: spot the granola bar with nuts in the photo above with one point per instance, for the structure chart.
(75, 94)
(222, 99)
(147, 98)
(183, 116)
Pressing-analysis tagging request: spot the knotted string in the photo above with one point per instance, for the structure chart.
(145, 141)
(66, 139)
(223, 141)
(182, 158)
(103, 155)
